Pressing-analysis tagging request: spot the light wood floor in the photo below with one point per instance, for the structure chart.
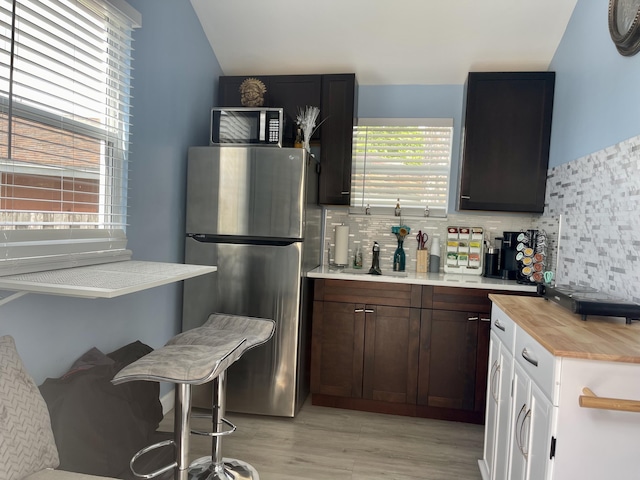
(334, 444)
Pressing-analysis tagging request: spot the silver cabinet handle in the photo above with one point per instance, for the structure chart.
(498, 325)
(344, 193)
(519, 429)
(465, 197)
(526, 356)
(525, 447)
(495, 371)
(472, 319)
(358, 310)
(368, 310)
(485, 319)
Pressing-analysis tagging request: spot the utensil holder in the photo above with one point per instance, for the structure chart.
(422, 261)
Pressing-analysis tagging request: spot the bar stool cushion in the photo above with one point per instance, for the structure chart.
(256, 330)
(186, 363)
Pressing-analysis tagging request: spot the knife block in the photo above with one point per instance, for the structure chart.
(422, 261)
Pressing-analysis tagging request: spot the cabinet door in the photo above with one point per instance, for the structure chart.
(337, 349)
(519, 440)
(292, 92)
(391, 354)
(491, 416)
(502, 389)
(506, 141)
(338, 112)
(537, 427)
(448, 347)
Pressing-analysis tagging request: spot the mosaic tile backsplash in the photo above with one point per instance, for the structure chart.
(591, 218)
(597, 201)
(365, 229)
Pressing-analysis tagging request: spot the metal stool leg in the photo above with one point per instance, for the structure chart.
(216, 467)
(182, 430)
(180, 442)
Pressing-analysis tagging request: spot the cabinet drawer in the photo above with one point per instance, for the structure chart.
(503, 327)
(538, 362)
(370, 293)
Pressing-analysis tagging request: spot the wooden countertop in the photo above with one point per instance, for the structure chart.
(565, 334)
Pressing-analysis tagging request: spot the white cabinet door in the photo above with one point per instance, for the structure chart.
(497, 419)
(503, 424)
(518, 441)
(531, 431)
(491, 413)
(539, 423)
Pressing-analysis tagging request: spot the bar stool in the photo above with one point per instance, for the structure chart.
(256, 331)
(195, 357)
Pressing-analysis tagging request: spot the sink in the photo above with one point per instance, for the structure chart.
(365, 271)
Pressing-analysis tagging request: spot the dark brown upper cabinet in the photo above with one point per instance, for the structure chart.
(507, 130)
(339, 104)
(336, 96)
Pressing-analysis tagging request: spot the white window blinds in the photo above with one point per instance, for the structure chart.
(408, 162)
(65, 72)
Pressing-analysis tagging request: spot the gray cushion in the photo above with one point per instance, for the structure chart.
(256, 330)
(26, 439)
(192, 364)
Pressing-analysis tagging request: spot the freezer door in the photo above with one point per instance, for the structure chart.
(259, 281)
(256, 192)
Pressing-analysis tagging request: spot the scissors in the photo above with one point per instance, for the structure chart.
(422, 239)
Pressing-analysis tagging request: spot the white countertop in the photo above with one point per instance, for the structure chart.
(106, 280)
(439, 279)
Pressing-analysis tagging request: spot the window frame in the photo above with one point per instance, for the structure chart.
(109, 215)
(440, 212)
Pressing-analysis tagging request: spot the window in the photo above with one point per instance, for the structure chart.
(65, 71)
(405, 159)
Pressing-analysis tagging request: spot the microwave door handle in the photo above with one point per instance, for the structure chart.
(262, 129)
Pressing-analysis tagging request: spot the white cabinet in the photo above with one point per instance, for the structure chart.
(530, 430)
(535, 427)
(497, 419)
(493, 465)
(521, 384)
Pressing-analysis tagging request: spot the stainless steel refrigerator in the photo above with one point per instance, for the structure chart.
(253, 212)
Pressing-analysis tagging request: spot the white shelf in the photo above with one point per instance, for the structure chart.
(106, 280)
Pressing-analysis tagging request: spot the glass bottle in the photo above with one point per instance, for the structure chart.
(357, 258)
(399, 258)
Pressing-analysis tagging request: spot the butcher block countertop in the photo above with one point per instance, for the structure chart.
(565, 334)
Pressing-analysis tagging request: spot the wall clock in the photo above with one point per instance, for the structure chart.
(624, 25)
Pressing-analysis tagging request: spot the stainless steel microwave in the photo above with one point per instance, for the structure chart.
(246, 126)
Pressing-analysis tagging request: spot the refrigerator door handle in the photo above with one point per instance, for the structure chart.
(234, 240)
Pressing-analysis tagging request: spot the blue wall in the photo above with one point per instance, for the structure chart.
(175, 81)
(597, 98)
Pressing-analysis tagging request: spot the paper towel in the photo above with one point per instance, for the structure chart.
(341, 255)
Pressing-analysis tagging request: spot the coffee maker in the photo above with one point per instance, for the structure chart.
(509, 266)
(500, 260)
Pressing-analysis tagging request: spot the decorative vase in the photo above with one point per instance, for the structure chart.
(399, 258)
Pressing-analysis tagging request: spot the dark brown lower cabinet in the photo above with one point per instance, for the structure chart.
(401, 349)
(453, 363)
(365, 351)
(391, 354)
(337, 346)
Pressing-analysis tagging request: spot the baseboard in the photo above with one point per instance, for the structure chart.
(168, 401)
